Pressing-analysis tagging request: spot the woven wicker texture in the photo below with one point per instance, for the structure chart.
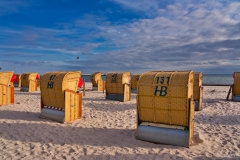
(236, 86)
(164, 97)
(115, 82)
(134, 81)
(198, 76)
(5, 77)
(53, 85)
(95, 77)
(29, 80)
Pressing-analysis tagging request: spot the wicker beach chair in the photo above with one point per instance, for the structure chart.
(96, 79)
(118, 86)
(165, 107)
(134, 82)
(6, 88)
(29, 81)
(59, 99)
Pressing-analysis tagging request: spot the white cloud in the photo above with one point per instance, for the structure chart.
(182, 35)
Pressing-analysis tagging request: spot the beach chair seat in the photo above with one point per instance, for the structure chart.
(118, 86)
(60, 100)
(165, 107)
(6, 88)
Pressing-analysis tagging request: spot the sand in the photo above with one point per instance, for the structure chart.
(106, 130)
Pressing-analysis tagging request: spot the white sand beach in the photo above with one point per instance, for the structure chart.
(106, 130)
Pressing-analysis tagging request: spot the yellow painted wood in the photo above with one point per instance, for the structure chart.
(198, 76)
(5, 77)
(236, 86)
(100, 85)
(67, 106)
(6, 94)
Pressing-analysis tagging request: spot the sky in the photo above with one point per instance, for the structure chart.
(120, 35)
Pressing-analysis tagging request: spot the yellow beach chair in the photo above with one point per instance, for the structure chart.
(59, 100)
(29, 81)
(6, 88)
(96, 79)
(118, 86)
(165, 107)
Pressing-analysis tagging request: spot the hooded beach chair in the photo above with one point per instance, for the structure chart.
(6, 87)
(29, 81)
(118, 86)
(96, 79)
(59, 98)
(165, 107)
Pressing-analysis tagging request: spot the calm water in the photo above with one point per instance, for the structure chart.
(207, 78)
(218, 79)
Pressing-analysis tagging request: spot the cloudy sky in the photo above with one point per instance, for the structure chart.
(120, 35)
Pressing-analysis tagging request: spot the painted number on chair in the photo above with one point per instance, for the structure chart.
(51, 84)
(137, 78)
(114, 78)
(161, 90)
(24, 76)
(52, 77)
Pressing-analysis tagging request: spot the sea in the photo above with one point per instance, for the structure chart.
(208, 79)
